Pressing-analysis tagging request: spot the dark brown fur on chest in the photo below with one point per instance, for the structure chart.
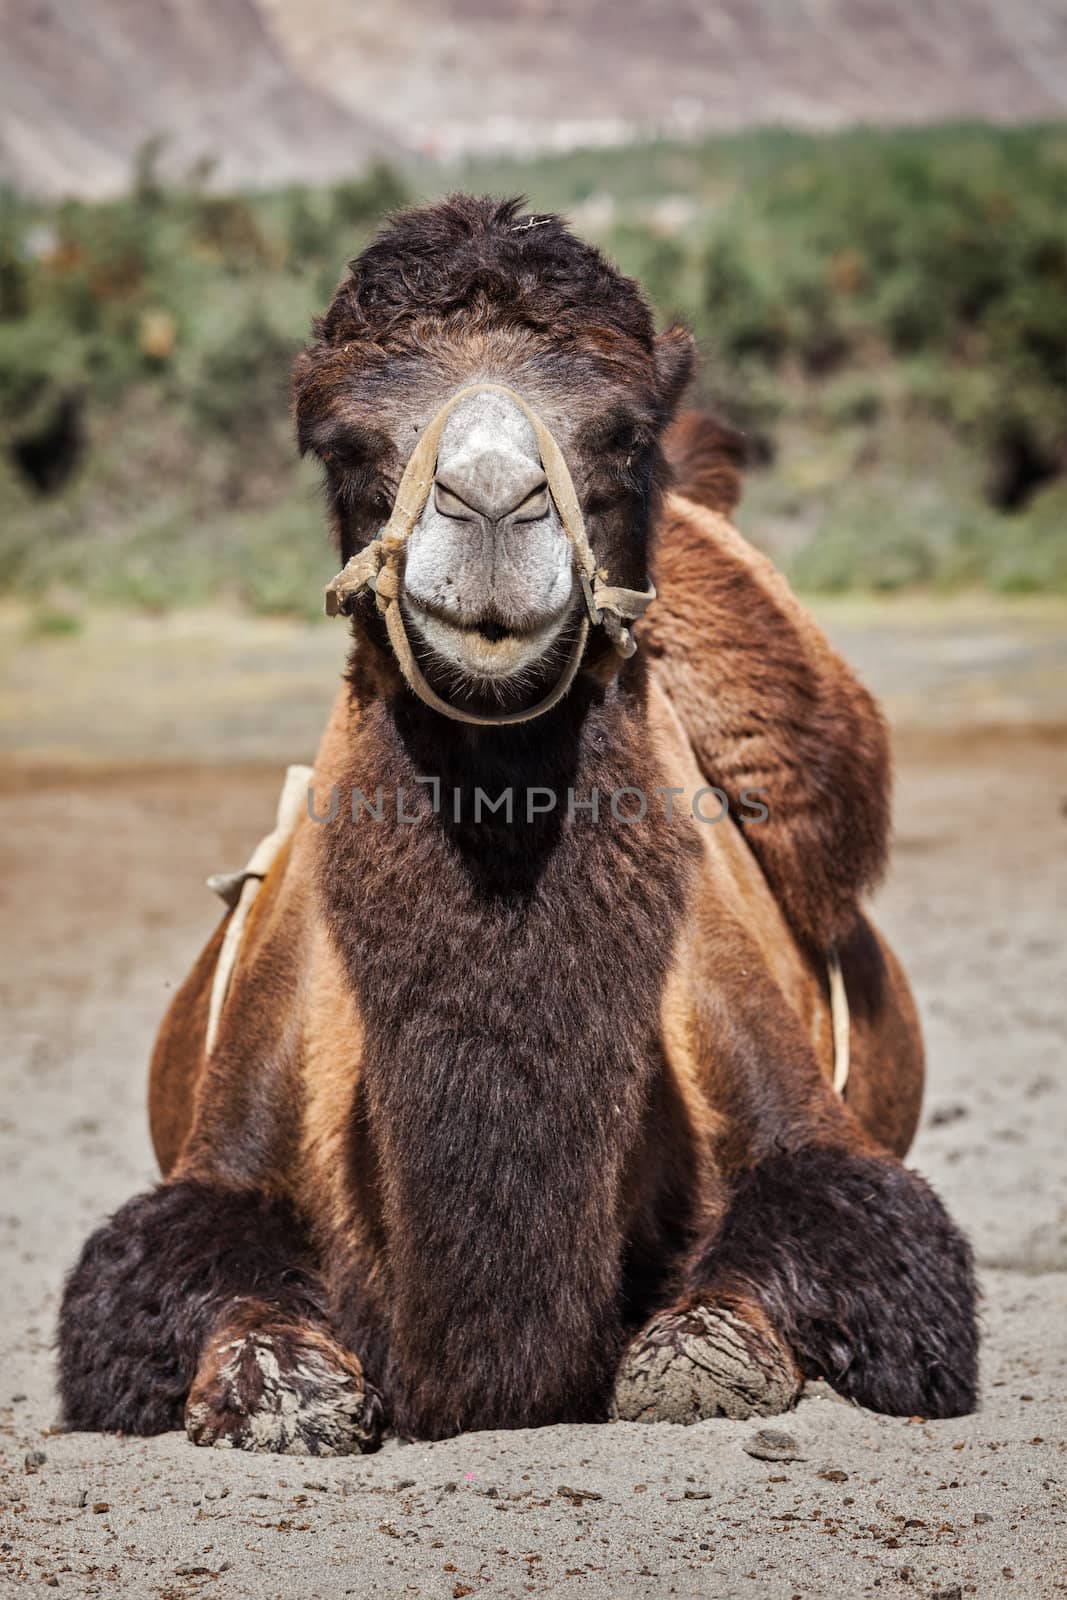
(509, 976)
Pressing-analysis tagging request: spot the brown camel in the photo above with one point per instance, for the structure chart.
(520, 1111)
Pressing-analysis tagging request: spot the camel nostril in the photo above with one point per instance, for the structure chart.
(493, 487)
(493, 631)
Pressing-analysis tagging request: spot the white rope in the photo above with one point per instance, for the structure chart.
(239, 890)
(839, 1018)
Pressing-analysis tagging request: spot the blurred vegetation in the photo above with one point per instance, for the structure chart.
(883, 314)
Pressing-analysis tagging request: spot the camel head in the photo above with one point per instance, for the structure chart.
(452, 296)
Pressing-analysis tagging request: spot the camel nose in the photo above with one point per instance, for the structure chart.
(492, 485)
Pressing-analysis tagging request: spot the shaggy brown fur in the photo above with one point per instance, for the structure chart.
(772, 708)
(488, 1096)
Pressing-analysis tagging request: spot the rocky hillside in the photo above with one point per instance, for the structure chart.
(270, 90)
(468, 75)
(84, 87)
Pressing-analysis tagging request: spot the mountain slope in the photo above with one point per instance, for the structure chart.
(84, 86)
(273, 90)
(472, 74)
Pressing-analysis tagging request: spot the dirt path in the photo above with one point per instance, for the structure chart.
(103, 910)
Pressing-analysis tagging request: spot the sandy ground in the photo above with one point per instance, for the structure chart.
(103, 861)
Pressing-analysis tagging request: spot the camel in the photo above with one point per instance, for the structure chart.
(517, 1113)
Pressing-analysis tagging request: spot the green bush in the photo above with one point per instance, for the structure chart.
(242, 382)
(360, 201)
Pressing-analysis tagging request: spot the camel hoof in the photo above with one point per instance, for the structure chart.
(290, 1390)
(706, 1361)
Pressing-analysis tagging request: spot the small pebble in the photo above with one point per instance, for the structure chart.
(982, 1516)
(768, 1444)
(34, 1460)
(100, 1506)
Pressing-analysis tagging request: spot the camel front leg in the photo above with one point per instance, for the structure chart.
(829, 1264)
(201, 1304)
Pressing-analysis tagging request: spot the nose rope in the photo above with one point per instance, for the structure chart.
(377, 566)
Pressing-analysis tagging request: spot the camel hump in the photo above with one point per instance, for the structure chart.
(706, 458)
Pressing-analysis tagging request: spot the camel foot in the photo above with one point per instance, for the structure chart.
(705, 1361)
(287, 1388)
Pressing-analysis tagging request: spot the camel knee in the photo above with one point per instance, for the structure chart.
(859, 1268)
(147, 1289)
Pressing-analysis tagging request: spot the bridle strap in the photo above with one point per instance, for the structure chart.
(409, 666)
(377, 566)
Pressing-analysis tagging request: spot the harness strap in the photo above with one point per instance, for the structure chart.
(409, 666)
(239, 890)
(377, 566)
(840, 1021)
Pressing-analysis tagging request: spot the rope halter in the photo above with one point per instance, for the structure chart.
(377, 566)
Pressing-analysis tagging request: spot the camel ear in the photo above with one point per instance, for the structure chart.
(676, 355)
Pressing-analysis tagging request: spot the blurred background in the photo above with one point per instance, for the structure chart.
(859, 209)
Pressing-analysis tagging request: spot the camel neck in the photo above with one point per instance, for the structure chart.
(485, 956)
